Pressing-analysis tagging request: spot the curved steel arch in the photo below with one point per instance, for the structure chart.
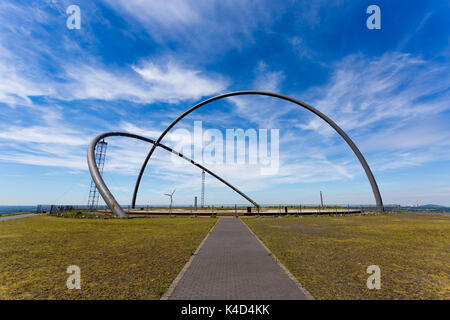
(373, 183)
(103, 189)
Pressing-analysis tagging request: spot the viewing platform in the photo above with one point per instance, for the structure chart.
(233, 212)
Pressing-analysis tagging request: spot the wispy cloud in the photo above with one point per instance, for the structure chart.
(266, 79)
(389, 105)
(15, 87)
(201, 25)
(32, 67)
(394, 87)
(174, 83)
(145, 83)
(42, 134)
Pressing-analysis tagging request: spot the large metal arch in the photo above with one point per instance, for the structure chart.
(373, 183)
(104, 190)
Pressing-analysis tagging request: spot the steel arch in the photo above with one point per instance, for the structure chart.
(103, 189)
(373, 183)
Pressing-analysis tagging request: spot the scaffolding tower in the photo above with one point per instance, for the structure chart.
(202, 203)
(100, 153)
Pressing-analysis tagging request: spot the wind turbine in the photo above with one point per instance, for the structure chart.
(171, 199)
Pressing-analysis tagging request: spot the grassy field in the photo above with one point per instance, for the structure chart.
(329, 254)
(119, 259)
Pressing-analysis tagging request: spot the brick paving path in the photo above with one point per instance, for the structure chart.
(232, 264)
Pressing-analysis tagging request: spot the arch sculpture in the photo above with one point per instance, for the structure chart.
(103, 189)
(373, 183)
(118, 211)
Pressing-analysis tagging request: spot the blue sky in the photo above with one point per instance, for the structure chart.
(135, 65)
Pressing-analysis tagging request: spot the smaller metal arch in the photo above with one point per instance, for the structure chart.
(103, 189)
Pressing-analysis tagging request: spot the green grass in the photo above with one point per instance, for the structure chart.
(119, 259)
(329, 254)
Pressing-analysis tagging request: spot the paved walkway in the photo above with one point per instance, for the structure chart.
(18, 216)
(233, 264)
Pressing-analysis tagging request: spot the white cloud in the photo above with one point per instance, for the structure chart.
(88, 82)
(52, 141)
(179, 136)
(42, 134)
(203, 25)
(413, 135)
(148, 83)
(267, 112)
(15, 88)
(301, 48)
(174, 83)
(50, 131)
(389, 105)
(145, 83)
(132, 128)
(167, 14)
(62, 161)
(268, 80)
(365, 91)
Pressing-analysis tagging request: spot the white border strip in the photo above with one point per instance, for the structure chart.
(289, 274)
(175, 282)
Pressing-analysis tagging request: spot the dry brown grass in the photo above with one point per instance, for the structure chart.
(119, 259)
(329, 254)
